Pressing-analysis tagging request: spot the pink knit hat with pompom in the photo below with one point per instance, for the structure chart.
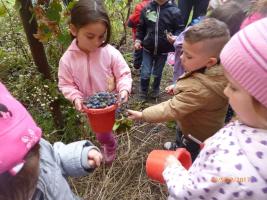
(244, 57)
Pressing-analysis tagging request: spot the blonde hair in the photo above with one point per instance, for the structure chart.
(214, 32)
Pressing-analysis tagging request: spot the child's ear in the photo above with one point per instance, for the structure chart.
(73, 30)
(211, 62)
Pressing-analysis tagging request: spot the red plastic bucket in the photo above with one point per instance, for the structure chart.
(101, 120)
(157, 158)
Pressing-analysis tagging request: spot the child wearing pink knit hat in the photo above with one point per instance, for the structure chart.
(232, 165)
(257, 11)
(30, 167)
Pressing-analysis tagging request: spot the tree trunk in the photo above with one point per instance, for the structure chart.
(38, 53)
(124, 22)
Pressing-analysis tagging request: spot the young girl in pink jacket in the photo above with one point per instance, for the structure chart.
(91, 65)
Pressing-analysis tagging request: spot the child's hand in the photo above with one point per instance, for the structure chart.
(170, 89)
(171, 38)
(123, 97)
(171, 160)
(94, 158)
(135, 115)
(78, 103)
(137, 45)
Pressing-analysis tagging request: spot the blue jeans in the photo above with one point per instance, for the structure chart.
(152, 65)
(137, 58)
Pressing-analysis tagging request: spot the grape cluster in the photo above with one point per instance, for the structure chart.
(122, 111)
(101, 100)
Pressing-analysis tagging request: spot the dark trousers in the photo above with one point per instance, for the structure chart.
(199, 8)
(152, 65)
(184, 142)
(137, 58)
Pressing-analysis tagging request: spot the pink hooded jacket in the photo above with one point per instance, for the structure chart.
(81, 75)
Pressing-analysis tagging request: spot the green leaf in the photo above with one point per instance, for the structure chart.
(54, 10)
(122, 125)
(64, 38)
(116, 126)
(46, 30)
(171, 124)
(3, 10)
(71, 4)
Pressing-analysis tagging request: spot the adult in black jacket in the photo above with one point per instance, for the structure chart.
(159, 18)
(199, 9)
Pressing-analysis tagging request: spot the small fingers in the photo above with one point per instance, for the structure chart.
(98, 160)
(132, 114)
(94, 158)
(92, 163)
(171, 161)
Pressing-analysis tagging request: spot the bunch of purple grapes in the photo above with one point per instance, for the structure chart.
(101, 100)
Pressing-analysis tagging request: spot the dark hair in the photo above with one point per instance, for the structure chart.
(23, 184)
(214, 32)
(230, 13)
(260, 6)
(90, 11)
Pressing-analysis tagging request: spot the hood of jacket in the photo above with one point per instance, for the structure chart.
(212, 78)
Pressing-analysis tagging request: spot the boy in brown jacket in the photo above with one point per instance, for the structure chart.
(199, 105)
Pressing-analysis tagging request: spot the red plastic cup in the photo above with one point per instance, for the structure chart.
(157, 158)
(101, 120)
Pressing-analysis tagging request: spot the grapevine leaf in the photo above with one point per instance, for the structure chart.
(54, 10)
(64, 38)
(2, 10)
(71, 4)
(116, 126)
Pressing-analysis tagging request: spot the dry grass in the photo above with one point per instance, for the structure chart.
(126, 178)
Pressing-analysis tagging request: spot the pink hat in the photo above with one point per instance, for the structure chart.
(18, 132)
(250, 19)
(244, 57)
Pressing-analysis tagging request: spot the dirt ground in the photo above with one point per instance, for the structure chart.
(126, 178)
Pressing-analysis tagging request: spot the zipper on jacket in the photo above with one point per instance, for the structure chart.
(157, 31)
(89, 74)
